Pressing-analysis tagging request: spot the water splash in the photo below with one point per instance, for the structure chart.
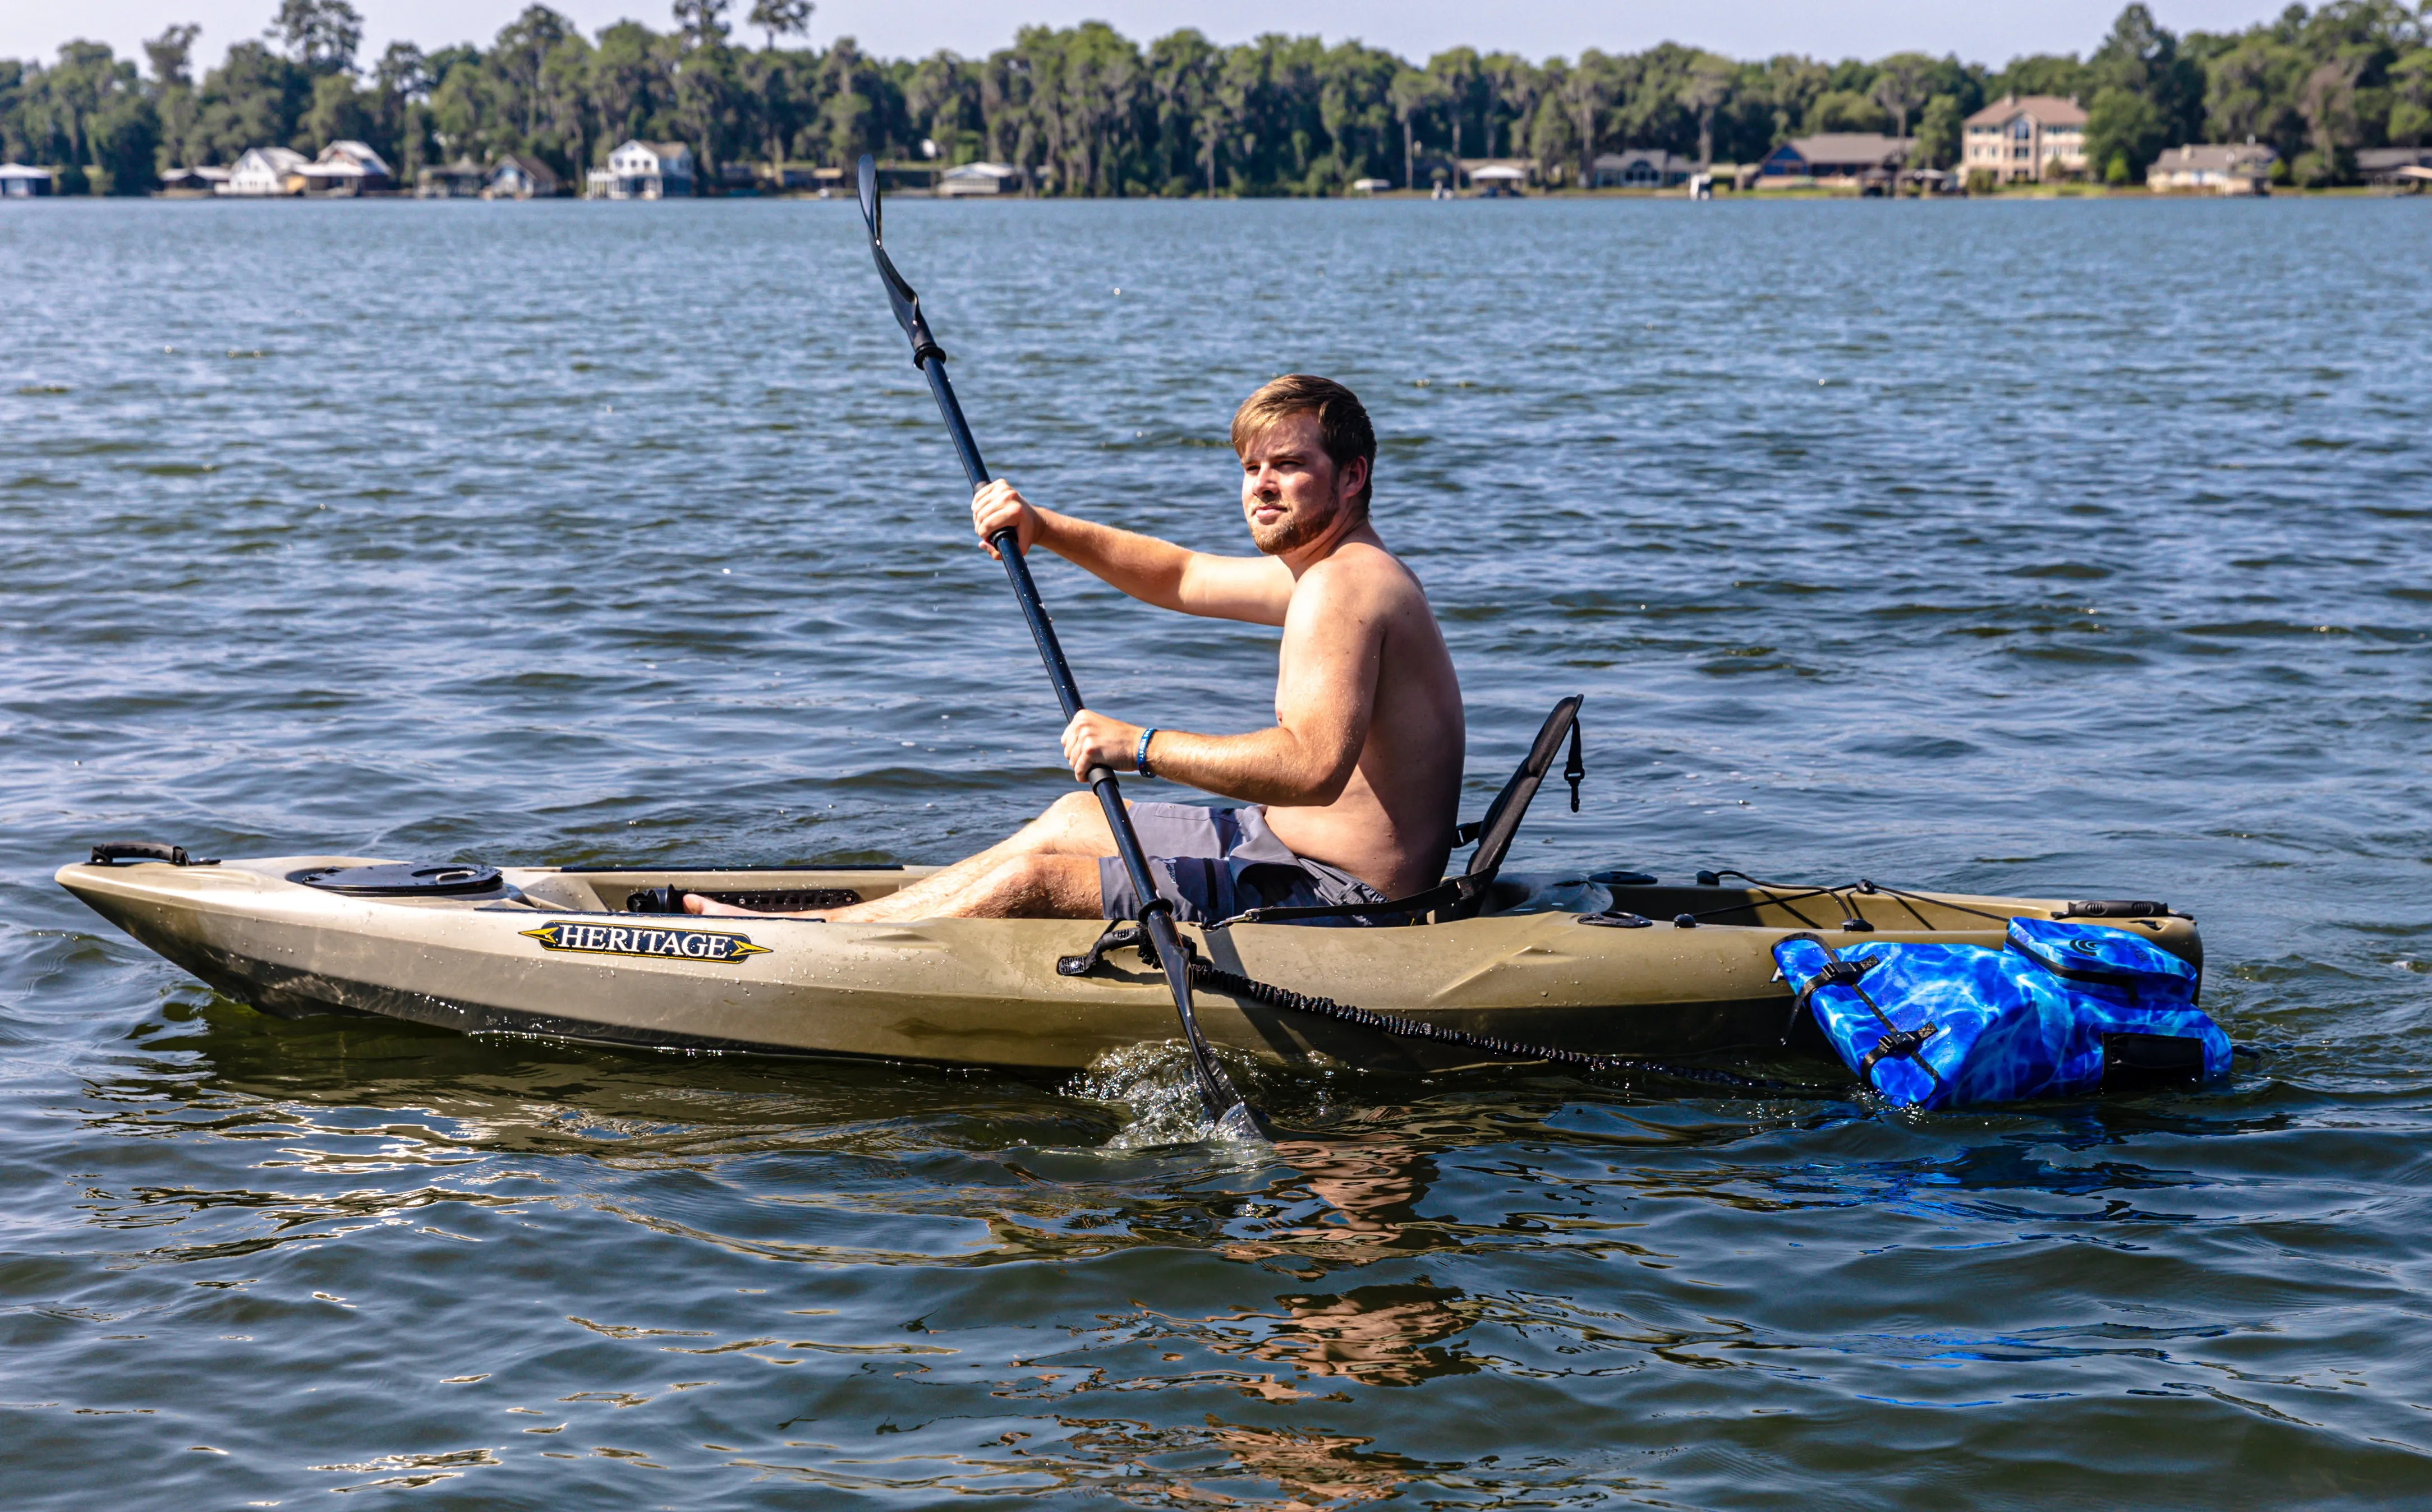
(1155, 1081)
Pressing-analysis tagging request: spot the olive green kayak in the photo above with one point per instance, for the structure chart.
(1662, 971)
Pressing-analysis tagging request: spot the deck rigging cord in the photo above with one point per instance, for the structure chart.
(1206, 973)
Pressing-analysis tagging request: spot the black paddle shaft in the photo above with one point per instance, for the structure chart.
(1216, 1092)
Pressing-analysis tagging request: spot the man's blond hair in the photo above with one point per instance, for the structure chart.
(1342, 424)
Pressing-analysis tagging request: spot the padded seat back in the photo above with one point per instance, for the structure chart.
(1502, 819)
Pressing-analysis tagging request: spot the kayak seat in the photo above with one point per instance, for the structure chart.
(1462, 897)
(1494, 832)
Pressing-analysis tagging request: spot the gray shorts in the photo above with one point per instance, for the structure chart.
(1212, 864)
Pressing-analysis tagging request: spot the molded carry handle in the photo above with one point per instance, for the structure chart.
(118, 850)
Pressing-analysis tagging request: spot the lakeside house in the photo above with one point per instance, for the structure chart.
(2029, 138)
(1498, 178)
(1835, 158)
(1641, 169)
(18, 181)
(461, 179)
(518, 176)
(978, 179)
(643, 170)
(343, 169)
(2243, 169)
(262, 172)
(1494, 176)
(181, 183)
(2394, 167)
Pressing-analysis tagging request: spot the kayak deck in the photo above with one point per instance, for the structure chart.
(557, 951)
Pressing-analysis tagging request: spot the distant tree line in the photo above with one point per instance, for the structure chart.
(1089, 112)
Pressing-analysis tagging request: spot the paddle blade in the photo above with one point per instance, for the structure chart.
(899, 293)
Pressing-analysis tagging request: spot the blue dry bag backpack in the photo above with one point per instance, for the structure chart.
(2066, 1009)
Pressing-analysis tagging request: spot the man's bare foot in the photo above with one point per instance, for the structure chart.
(695, 903)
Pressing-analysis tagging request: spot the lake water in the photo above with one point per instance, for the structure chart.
(2070, 548)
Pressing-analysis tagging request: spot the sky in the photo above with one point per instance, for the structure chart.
(1977, 31)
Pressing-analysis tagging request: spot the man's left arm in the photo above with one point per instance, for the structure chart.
(1333, 647)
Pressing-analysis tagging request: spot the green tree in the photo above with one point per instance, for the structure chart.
(1846, 111)
(459, 114)
(2410, 109)
(171, 56)
(2124, 126)
(517, 58)
(89, 113)
(255, 98)
(630, 85)
(2329, 102)
(338, 111)
(320, 34)
(2059, 75)
(2251, 93)
(1465, 85)
(1708, 87)
(2141, 56)
(699, 22)
(1415, 94)
(1780, 102)
(1585, 92)
(1181, 70)
(1938, 132)
(401, 82)
(1902, 82)
(1514, 88)
(780, 17)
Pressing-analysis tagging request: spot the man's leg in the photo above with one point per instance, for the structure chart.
(994, 884)
(1024, 886)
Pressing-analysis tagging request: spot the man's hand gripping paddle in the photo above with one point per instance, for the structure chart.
(1233, 1117)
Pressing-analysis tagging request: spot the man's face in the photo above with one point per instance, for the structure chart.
(1292, 492)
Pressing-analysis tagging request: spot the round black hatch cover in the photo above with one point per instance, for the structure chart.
(401, 879)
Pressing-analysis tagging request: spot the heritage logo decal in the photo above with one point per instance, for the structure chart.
(628, 939)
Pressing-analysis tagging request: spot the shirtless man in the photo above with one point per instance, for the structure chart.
(1350, 797)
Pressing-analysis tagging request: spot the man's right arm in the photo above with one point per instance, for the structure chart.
(1255, 589)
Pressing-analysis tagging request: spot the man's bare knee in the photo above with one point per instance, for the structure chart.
(1073, 825)
(1075, 805)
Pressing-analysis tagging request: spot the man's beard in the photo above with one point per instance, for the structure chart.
(1292, 532)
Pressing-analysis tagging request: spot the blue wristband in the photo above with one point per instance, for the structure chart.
(1139, 756)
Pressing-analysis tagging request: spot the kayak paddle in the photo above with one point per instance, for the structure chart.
(1231, 1116)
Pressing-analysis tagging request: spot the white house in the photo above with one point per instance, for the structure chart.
(978, 179)
(643, 170)
(2213, 170)
(261, 171)
(17, 181)
(346, 168)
